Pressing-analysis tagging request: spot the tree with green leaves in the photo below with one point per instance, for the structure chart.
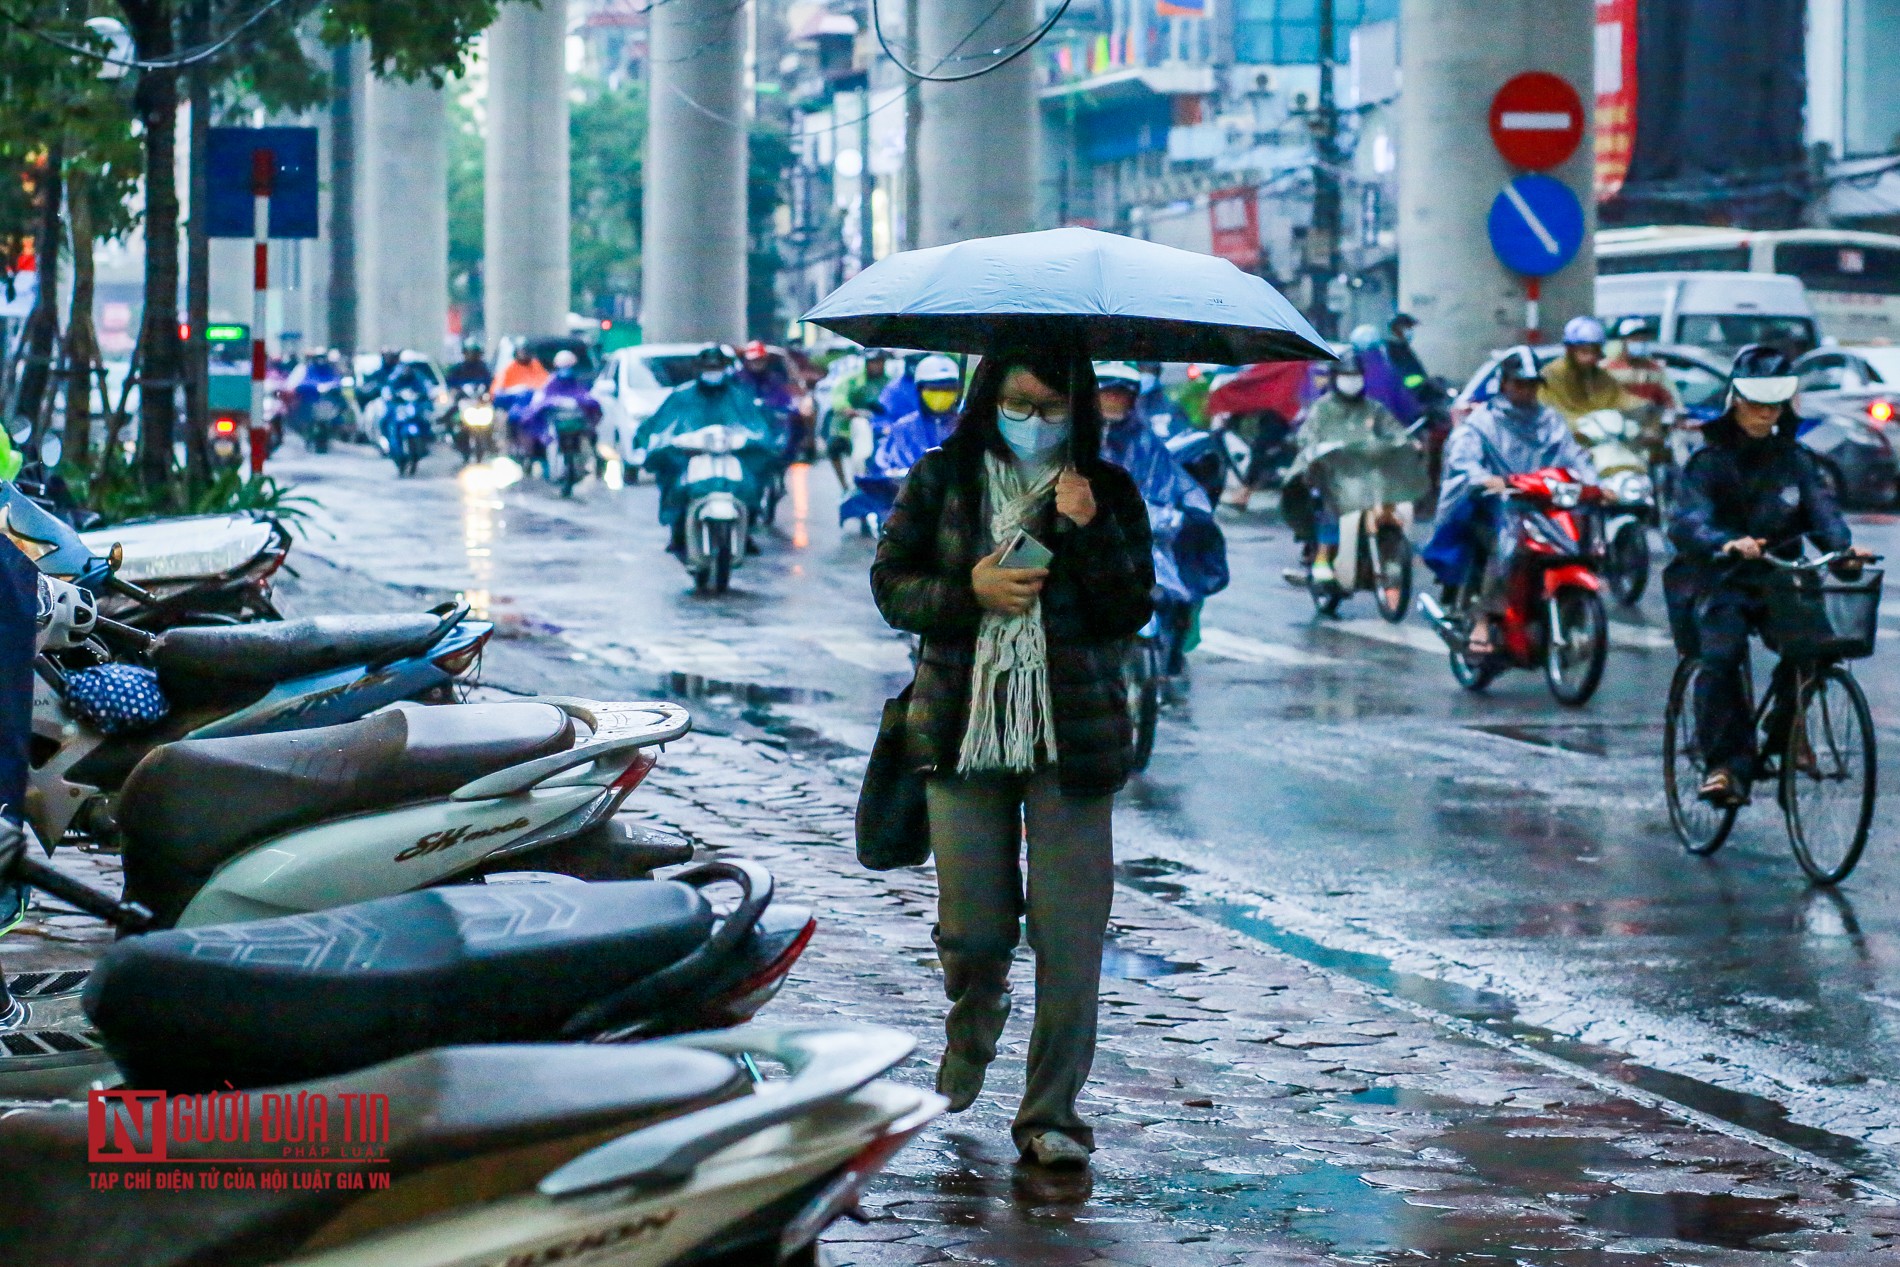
(257, 52)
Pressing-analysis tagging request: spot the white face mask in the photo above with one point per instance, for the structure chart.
(1350, 384)
(712, 378)
(1031, 436)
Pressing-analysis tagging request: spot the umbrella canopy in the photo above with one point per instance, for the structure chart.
(1115, 298)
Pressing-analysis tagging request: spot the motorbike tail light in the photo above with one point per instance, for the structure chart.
(459, 661)
(840, 1196)
(1880, 412)
(224, 425)
(744, 1000)
(643, 761)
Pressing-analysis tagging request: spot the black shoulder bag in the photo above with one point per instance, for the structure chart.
(893, 825)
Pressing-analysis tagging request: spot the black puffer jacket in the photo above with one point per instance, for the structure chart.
(1734, 486)
(1096, 598)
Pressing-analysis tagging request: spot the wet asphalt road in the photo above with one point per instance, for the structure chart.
(1322, 784)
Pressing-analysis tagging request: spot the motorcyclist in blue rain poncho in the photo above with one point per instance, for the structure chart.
(939, 385)
(712, 398)
(1190, 553)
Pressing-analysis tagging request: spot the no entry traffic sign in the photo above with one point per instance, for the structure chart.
(1536, 120)
(1536, 225)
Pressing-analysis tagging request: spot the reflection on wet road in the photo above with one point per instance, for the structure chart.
(1324, 783)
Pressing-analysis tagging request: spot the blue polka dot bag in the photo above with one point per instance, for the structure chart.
(116, 699)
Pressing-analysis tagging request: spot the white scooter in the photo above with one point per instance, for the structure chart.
(1612, 437)
(657, 1155)
(253, 826)
(717, 519)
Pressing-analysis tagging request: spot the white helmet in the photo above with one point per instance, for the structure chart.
(565, 360)
(1119, 374)
(937, 368)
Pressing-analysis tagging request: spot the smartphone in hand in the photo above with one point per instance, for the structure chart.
(1026, 552)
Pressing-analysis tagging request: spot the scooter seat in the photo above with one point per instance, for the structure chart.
(190, 805)
(307, 996)
(483, 1122)
(222, 658)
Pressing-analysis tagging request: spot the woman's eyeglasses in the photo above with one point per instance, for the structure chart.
(1024, 410)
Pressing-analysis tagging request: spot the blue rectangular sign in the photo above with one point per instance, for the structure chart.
(293, 200)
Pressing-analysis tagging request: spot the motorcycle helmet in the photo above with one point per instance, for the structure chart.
(1520, 363)
(1582, 331)
(713, 365)
(1364, 337)
(753, 351)
(1763, 375)
(471, 345)
(1349, 374)
(939, 383)
(565, 360)
(1117, 376)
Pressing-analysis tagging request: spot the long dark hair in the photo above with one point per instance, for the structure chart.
(1066, 372)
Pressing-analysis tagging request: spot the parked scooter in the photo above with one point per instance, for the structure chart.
(202, 569)
(719, 492)
(551, 958)
(224, 682)
(657, 1155)
(1615, 443)
(1554, 607)
(216, 830)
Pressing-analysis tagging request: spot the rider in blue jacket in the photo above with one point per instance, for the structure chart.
(1190, 553)
(938, 386)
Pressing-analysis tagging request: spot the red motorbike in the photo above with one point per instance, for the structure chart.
(1554, 614)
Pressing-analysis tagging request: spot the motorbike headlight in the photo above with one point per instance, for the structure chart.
(1632, 486)
(1565, 495)
(478, 415)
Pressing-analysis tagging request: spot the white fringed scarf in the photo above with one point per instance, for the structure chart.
(1011, 670)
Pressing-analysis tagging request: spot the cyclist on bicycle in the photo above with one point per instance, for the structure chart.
(1750, 490)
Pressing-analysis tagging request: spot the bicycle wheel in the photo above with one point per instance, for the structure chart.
(1700, 826)
(1828, 775)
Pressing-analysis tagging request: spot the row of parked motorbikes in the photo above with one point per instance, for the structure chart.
(342, 879)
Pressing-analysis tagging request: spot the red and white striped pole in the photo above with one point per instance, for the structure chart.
(263, 171)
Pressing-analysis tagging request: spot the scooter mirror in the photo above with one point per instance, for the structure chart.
(52, 449)
(115, 556)
(21, 429)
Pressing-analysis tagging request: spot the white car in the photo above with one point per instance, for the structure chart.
(632, 383)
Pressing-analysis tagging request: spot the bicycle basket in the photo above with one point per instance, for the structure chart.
(1818, 616)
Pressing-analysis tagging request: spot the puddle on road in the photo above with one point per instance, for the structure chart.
(1136, 965)
(1592, 739)
(1725, 1221)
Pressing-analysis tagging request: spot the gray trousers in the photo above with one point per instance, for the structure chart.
(977, 827)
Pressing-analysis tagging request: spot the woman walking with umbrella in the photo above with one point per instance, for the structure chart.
(1017, 714)
(1023, 559)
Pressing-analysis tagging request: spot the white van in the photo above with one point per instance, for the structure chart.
(1723, 312)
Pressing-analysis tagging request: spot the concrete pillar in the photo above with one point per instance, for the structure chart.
(977, 142)
(525, 251)
(693, 257)
(402, 223)
(1458, 53)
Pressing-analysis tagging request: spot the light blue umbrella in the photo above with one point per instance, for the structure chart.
(1110, 297)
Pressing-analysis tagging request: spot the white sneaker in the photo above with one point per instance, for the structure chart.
(1056, 1151)
(1322, 574)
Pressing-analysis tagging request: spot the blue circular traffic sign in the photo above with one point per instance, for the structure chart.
(1536, 225)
